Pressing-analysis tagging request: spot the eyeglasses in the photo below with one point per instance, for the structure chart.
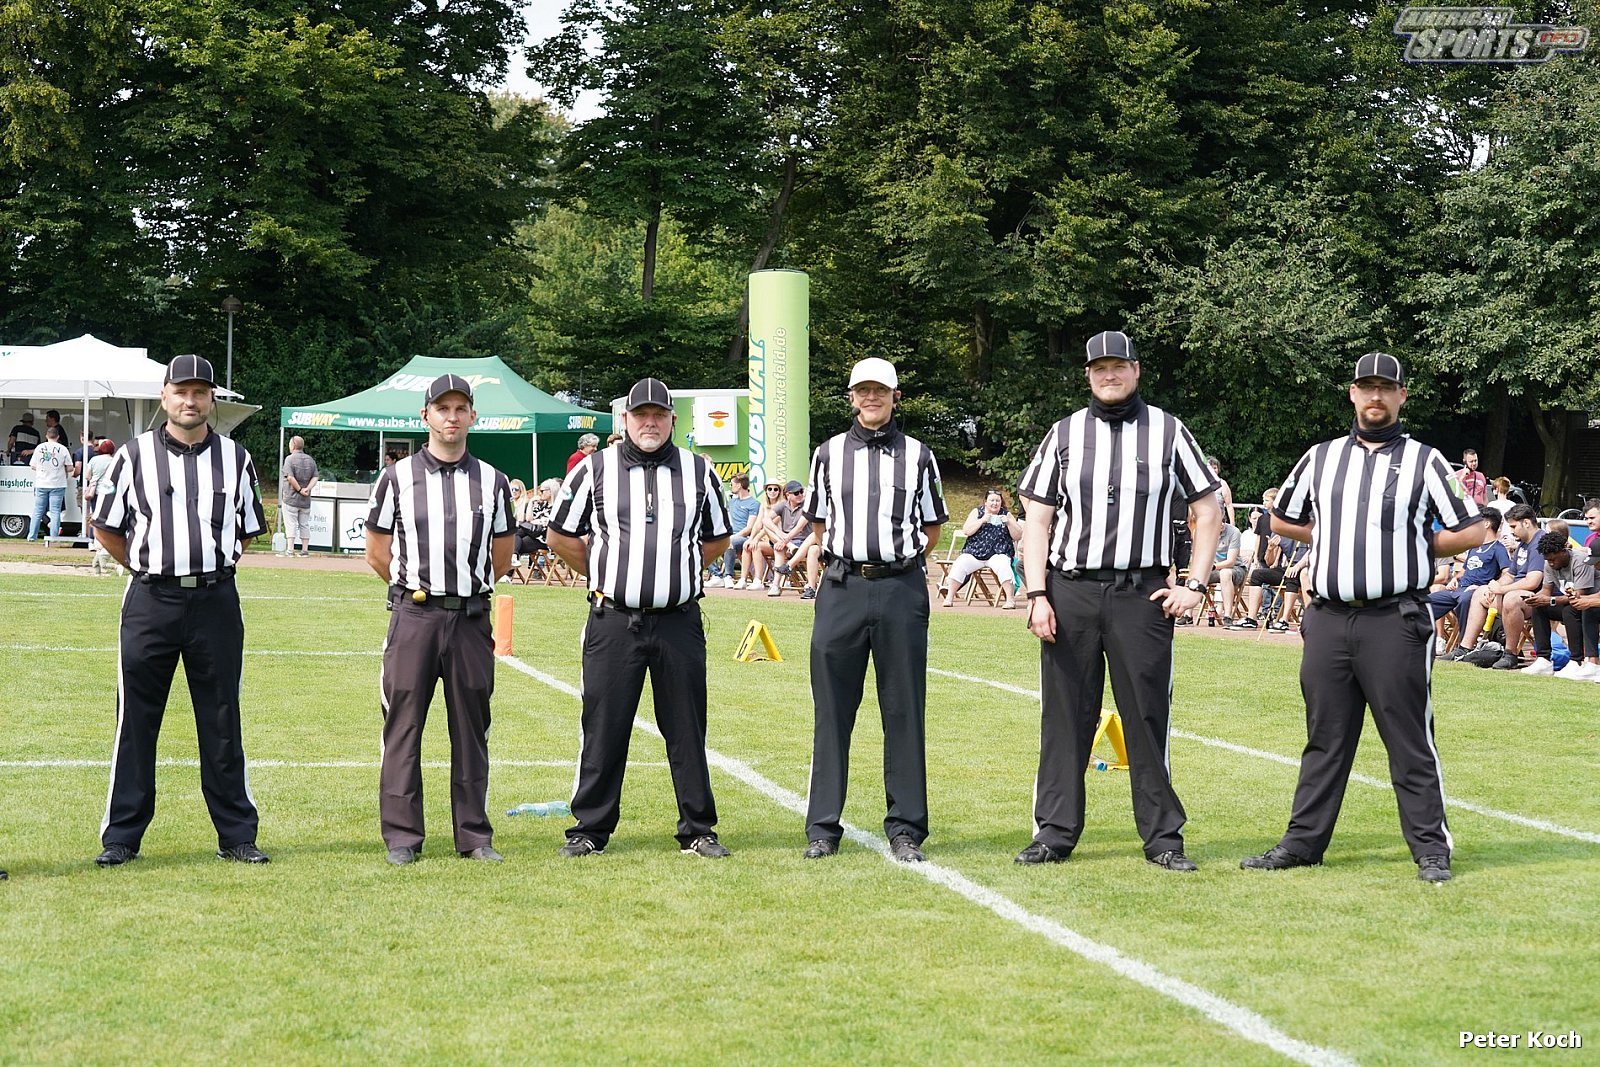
(772, 489)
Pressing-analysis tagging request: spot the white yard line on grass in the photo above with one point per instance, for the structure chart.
(1242, 1021)
(371, 765)
(1291, 761)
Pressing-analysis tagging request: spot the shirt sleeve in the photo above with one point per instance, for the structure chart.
(1041, 480)
(1294, 495)
(1189, 467)
(1447, 502)
(381, 505)
(504, 523)
(574, 505)
(930, 495)
(715, 523)
(111, 508)
(815, 505)
(252, 516)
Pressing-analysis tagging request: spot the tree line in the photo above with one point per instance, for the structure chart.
(1257, 191)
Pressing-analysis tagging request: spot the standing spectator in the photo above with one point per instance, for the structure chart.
(182, 544)
(1224, 490)
(50, 463)
(1472, 481)
(876, 506)
(641, 520)
(52, 418)
(586, 448)
(991, 542)
(83, 453)
(1569, 576)
(1099, 494)
(97, 483)
(294, 495)
(23, 439)
(743, 508)
(439, 532)
(1368, 634)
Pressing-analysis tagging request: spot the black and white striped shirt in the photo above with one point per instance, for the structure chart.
(443, 517)
(185, 509)
(1372, 514)
(649, 521)
(1114, 486)
(874, 493)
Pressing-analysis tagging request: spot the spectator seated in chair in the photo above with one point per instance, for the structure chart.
(1227, 574)
(744, 511)
(1283, 563)
(991, 534)
(532, 511)
(1569, 577)
(1479, 566)
(1506, 593)
(789, 541)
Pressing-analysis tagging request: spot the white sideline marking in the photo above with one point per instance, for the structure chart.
(1290, 761)
(1242, 1021)
(305, 764)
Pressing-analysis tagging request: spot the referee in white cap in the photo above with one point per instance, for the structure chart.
(1368, 503)
(641, 519)
(876, 506)
(181, 509)
(439, 531)
(1100, 495)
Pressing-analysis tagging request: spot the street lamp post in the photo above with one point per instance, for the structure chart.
(232, 306)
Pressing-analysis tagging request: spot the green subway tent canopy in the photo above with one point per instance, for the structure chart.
(521, 429)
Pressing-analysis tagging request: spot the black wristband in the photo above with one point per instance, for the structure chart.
(1032, 593)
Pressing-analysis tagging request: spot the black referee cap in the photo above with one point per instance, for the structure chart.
(1111, 344)
(448, 383)
(649, 391)
(1379, 365)
(190, 369)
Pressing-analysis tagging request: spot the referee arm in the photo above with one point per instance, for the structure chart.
(113, 541)
(711, 550)
(380, 551)
(1449, 542)
(574, 551)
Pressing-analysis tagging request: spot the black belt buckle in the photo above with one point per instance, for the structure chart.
(876, 570)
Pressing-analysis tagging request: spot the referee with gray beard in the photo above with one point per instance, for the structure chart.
(1099, 496)
(1367, 503)
(181, 509)
(641, 519)
(876, 505)
(439, 531)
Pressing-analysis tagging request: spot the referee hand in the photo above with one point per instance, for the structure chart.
(1177, 600)
(1042, 619)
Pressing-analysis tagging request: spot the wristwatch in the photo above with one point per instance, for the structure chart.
(1194, 586)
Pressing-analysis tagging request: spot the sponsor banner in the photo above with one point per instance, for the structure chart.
(780, 373)
(715, 420)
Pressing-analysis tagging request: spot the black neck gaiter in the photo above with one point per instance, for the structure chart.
(1394, 430)
(1126, 411)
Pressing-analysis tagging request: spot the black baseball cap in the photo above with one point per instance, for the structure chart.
(1379, 365)
(794, 487)
(190, 369)
(648, 391)
(1110, 344)
(448, 383)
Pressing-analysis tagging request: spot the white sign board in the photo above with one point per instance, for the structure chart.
(714, 415)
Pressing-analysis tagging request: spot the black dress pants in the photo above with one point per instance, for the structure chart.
(886, 618)
(161, 623)
(427, 644)
(1581, 629)
(1103, 625)
(619, 647)
(1380, 657)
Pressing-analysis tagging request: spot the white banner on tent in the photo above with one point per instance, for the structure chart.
(714, 415)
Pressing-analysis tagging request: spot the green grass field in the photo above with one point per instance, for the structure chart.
(644, 955)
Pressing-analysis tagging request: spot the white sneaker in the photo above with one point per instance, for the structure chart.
(1539, 666)
(776, 589)
(1576, 671)
(1438, 647)
(750, 583)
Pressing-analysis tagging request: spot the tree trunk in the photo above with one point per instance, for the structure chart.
(1552, 429)
(647, 284)
(981, 346)
(738, 348)
(1492, 456)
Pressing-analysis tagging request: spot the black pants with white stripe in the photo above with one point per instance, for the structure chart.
(1100, 625)
(426, 645)
(1380, 657)
(888, 619)
(619, 648)
(160, 624)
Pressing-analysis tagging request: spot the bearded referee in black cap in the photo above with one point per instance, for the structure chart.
(182, 507)
(439, 531)
(1368, 503)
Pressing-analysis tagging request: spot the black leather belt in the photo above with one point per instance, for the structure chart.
(601, 601)
(398, 593)
(1364, 605)
(1081, 574)
(189, 581)
(880, 570)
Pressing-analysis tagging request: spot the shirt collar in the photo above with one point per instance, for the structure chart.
(432, 464)
(178, 448)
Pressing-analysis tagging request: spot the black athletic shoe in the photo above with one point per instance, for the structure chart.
(581, 846)
(905, 850)
(244, 852)
(1434, 868)
(401, 855)
(708, 846)
(821, 849)
(1174, 860)
(1276, 858)
(1040, 853)
(116, 854)
(1459, 653)
(1506, 662)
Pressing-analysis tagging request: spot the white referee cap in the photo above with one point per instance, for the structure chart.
(873, 369)
(1379, 365)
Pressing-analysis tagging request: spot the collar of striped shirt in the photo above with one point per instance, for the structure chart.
(179, 448)
(432, 463)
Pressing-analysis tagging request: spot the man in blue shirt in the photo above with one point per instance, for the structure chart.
(1506, 593)
(1480, 566)
(742, 511)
